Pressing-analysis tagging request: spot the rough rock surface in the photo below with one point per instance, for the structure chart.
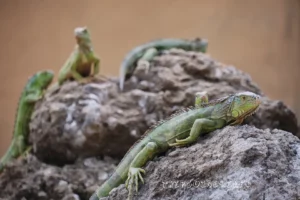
(30, 179)
(233, 163)
(240, 162)
(95, 119)
(81, 120)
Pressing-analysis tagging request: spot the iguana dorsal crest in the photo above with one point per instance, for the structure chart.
(184, 110)
(215, 102)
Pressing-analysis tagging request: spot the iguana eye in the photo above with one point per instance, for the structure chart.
(244, 98)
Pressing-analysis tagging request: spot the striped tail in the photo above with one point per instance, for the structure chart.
(94, 197)
(114, 181)
(120, 175)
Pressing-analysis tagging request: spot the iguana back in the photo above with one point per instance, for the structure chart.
(31, 93)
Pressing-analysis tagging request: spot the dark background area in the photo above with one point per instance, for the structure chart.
(261, 38)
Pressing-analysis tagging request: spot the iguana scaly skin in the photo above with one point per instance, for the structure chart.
(148, 51)
(82, 60)
(179, 130)
(32, 92)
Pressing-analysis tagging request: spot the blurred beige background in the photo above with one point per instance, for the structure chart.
(260, 37)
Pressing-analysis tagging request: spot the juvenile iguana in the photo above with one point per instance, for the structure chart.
(82, 60)
(32, 92)
(148, 51)
(179, 130)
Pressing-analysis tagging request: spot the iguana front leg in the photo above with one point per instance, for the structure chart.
(196, 131)
(75, 73)
(96, 65)
(14, 150)
(33, 96)
(135, 170)
(201, 97)
(21, 149)
(148, 55)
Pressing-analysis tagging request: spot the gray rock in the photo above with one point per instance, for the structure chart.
(81, 120)
(31, 179)
(240, 162)
(76, 121)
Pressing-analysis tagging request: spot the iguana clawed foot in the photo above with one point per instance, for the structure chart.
(144, 64)
(134, 174)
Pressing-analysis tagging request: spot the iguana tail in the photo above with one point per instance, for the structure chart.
(12, 152)
(114, 181)
(120, 175)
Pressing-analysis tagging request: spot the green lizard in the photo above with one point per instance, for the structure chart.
(32, 92)
(179, 130)
(81, 60)
(148, 51)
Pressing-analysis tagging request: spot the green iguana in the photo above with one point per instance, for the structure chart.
(148, 51)
(32, 92)
(180, 129)
(81, 60)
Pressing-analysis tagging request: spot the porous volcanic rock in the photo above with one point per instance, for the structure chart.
(81, 120)
(238, 163)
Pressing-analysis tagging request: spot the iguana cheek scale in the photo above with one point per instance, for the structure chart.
(178, 130)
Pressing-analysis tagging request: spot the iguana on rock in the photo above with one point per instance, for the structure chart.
(148, 51)
(82, 60)
(180, 129)
(32, 92)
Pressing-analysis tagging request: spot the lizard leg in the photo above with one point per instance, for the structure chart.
(135, 170)
(15, 149)
(76, 75)
(195, 132)
(96, 65)
(73, 70)
(148, 55)
(20, 145)
(22, 148)
(201, 97)
(33, 96)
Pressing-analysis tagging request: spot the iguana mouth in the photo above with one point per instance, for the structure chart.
(253, 110)
(245, 115)
(250, 112)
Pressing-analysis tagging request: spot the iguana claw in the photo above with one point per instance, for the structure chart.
(134, 174)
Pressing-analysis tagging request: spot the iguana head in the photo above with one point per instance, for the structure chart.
(82, 36)
(243, 105)
(235, 108)
(199, 44)
(44, 78)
